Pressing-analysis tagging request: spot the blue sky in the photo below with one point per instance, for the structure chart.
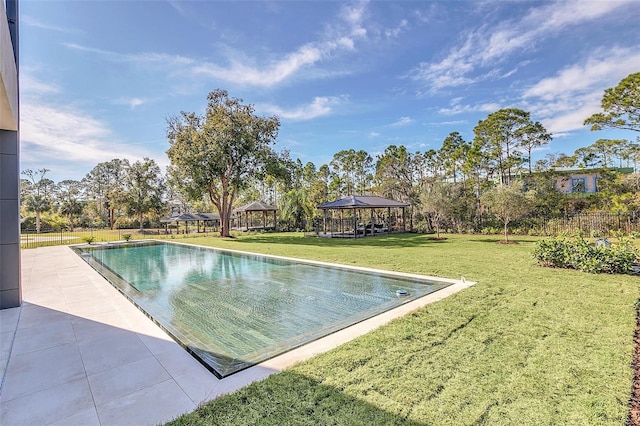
(99, 78)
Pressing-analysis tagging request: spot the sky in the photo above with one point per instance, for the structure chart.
(98, 79)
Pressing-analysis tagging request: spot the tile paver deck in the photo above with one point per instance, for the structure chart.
(78, 352)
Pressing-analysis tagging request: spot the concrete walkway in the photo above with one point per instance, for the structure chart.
(78, 353)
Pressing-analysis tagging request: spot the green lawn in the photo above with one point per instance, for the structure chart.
(526, 345)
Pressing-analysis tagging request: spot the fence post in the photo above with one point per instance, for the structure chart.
(619, 225)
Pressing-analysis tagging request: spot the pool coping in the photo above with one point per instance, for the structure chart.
(48, 274)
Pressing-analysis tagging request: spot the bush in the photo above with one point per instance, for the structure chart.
(578, 253)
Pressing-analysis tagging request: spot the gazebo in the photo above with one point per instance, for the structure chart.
(249, 218)
(191, 217)
(356, 225)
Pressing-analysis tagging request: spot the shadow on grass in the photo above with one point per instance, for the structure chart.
(396, 240)
(498, 239)
(290, 398)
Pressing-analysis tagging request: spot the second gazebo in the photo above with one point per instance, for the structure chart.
(250, 222)
(366, 215)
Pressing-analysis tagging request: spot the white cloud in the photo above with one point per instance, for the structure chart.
(374, 134)
(487, 46)
(457, 108)
(565, 100)
(266, 76)
(399, 29)
(63, 133)
(131, 102)
(32, 86)
(320, 106)
(597, 71)
(33, 22)
(341, 36)
(403, 121)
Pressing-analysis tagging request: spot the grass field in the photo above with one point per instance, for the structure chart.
(526, 345)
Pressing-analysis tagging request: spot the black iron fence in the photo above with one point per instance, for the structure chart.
(595, 224)
(50, 237)
(590, 224)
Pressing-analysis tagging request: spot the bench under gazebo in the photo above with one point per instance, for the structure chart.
(249, 212)
(361, 216)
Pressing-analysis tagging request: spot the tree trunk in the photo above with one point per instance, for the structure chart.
(37, 222)
(111, 216)
(506, 234)
(140, 221)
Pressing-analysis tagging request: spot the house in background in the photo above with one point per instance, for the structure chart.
(584, 180)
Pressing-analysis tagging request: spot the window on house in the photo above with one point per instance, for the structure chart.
(578, 185)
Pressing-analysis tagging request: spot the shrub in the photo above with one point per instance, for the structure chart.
(126, 237)
(88, 240)
(578, 253)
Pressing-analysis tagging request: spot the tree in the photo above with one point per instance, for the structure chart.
(508, 203)
(344, 166)
(452, 152)
(533, 136)
(500, 135)
(296, 208)
(396, 171)
(68, 192)
(220, 152)
(621, 106)
(439, 202)
(105, 185)
(143, 189)
(38, 199)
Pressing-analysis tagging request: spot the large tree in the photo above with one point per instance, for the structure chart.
(104, 184)
(219, 152)
(621, 106)
(143, 190)
(500, 136)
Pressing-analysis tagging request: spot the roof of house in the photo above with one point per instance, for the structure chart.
(362, 202)
(591, 170)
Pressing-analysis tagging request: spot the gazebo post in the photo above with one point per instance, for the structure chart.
(324, 220)
(372, 227)
(264, 220)
(404, 226)
(388, 220)
(355, 224)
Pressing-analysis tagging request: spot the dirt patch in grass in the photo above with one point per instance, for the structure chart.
(507, 242)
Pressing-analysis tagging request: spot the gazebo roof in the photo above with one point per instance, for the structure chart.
(361, 202)
(192, 217)
(256, 206)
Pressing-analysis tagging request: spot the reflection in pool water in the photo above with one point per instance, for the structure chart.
(235, 310)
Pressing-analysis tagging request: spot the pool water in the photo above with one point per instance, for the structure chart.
(234, 310)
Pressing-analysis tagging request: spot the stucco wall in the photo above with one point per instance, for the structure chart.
(8, 77)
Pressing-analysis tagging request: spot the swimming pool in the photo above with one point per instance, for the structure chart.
(232, 310)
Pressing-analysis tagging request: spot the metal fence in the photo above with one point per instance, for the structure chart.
(589, 223)
(50, 237)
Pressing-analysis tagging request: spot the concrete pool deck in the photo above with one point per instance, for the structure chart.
(78, 352)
